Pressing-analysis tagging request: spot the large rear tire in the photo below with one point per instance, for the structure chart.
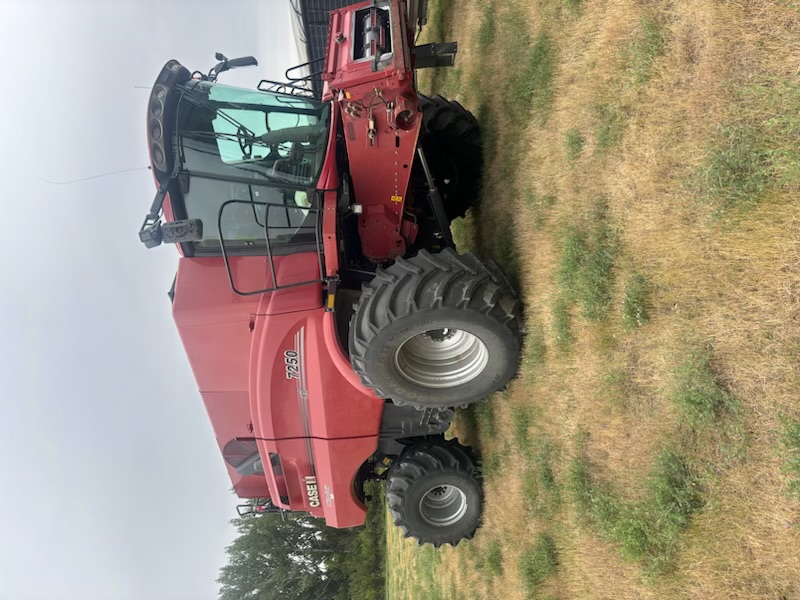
(453, 148)
(433, 494)
(436, 330)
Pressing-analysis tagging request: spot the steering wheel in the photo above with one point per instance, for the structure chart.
(246, 138)
(296, 153)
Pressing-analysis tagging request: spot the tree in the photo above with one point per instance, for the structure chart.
(283, 557)
(296, 556)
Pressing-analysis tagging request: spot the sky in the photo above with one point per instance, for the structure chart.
(111, 483)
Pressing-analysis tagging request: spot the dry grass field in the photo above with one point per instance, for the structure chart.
(641, 184)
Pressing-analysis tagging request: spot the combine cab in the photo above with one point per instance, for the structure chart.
(330, 324)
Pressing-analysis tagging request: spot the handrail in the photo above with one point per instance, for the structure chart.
(308, 77)
(288, 89)
(316, 210)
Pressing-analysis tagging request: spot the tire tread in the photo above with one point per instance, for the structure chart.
(428, 282)
(416, 462)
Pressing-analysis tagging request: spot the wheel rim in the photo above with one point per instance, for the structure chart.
(441, 358)
(443, 505)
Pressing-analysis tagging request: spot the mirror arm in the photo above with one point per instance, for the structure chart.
(150, 231)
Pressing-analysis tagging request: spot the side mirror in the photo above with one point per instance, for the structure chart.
(150, 233)
(186, 230)
(244, 61)
(225, 64)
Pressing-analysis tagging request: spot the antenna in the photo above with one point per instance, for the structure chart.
(71, 181)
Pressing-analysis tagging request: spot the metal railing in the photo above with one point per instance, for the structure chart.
(280, 243)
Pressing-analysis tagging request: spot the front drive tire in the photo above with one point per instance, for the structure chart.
(453, 145)
(436, 330)
(433, 494)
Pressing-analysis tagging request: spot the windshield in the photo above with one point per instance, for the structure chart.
(239, 144)
(234, 132)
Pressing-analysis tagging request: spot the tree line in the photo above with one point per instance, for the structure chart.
(296, 556)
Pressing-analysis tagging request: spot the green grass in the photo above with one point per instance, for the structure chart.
(696, 391)
(573, 255)
(538, 563)
(436, 22)
(477, 420)
(535, 350)
(506, 252)
(648, 45)
(738, 170)
(539, 206)
(530, 87)
(462, 234)
(563, 335)
(451, 82)
(790, 455)
(757, 150)
(538, 79)
(489, 129)
(635, 301)
(585, 268)
(574, 142)
(365, 563)
(428, 562)
(493, 459)
(486, 32)
(484, 414)
(437, 31)
(493, 564)
(647, 531)
(540, 489)
(522, 419)
(614, 387)
(610, 126)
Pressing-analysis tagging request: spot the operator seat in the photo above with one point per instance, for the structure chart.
(293, 171)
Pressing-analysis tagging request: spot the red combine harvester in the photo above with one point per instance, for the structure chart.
(330, 324)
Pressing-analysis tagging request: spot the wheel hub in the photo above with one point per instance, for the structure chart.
(440, 335)
(441, 358)
(443, 505)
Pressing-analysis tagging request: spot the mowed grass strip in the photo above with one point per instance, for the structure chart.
(530, 64)
(574, 141)
(756, 150)
(635, 301)
(646, 531)
(494, 559)
(648, 45)
(540, 207)
(697, 392)
(538, 563)
(610, 124)
(585, 269)
(488, 27)
(541, 491)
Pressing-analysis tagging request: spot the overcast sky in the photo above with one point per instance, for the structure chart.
(111, 484)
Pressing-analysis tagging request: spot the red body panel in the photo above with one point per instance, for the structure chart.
(318, 418)
(229, 413)
(381, 152)
(310, 399)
